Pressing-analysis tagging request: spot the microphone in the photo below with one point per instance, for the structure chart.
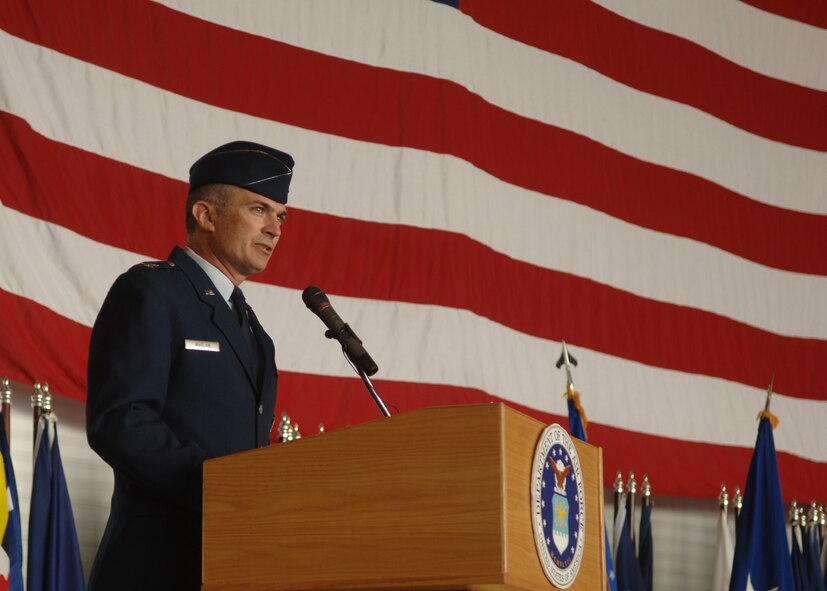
(317, 302)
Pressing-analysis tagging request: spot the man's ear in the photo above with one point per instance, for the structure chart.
(204, 215)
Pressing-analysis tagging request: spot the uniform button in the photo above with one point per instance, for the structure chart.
(261, 409)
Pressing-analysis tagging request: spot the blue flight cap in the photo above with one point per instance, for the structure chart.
(248, 165)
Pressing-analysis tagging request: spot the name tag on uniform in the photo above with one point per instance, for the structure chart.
(194, 345)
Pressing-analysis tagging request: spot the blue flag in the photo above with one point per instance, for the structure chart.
(627, 569)
(54, 556)
(798, 561)
(11, 553)
(577, 429)
(813, 547)
(645, 547)
(762, 554)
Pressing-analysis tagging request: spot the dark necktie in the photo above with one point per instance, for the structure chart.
(242, 312)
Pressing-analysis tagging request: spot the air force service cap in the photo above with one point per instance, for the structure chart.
(248, 165)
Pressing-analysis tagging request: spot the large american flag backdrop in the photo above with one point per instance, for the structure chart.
(645, 180)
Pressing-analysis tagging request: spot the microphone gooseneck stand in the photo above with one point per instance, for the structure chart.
(376, 398)
(365, 379)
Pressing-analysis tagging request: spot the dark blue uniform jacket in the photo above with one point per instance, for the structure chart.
(158, 407)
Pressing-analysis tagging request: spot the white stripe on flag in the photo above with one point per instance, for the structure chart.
(755, 39)
(542, 86)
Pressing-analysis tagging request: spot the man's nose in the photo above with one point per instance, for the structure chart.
(273, 227)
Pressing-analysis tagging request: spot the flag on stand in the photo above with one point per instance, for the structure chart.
(722, 571)
(645, 544)
(627, 568)
(823, 559)
(11, 552)
(813, 559)
(577, 428)
(54, 556)
(762, 555)
(798, 560)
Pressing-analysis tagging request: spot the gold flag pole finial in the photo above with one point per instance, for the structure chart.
(47, 399)
(723, 498)
(793, 514)
(618, 494)
(5, 394)
(631, 492)
(619, 482)
(646, 490)
(812, 518)
(5, 405)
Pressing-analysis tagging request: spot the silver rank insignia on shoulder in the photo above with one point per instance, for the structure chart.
(209, 292)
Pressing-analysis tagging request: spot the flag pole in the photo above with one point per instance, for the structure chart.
(5, 408)
(37, 409)
(793, 514)
(578, 425)
(618, 493)
(762, 550)
(567, 361)
(631, 488)
(646, 491)
(737, 503)
(47, 401)
(722, 572)
(723, 499)
(769, 394)
(645, 546)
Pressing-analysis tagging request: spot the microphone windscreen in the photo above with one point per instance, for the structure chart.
(313, 297)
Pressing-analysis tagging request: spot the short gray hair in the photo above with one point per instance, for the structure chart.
(216, 195)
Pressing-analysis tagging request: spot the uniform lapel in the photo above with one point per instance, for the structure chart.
(222, 315)
(267, 348)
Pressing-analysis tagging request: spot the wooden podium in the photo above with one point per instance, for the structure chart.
(437, 498)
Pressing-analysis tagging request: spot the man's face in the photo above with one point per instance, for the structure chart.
(245, 233)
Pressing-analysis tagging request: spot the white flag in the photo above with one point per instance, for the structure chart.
(723, 556)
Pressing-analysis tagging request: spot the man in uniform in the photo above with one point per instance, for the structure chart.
(181, 371)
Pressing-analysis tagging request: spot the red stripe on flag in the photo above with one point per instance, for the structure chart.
(41, 345)
(811, 12)
(421, 112)
(440, 268)
(115, 202)
(684, 468)
(664, 65)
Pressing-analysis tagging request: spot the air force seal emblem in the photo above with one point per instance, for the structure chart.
(558, 506)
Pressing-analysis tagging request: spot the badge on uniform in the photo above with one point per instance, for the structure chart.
(194, 345)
